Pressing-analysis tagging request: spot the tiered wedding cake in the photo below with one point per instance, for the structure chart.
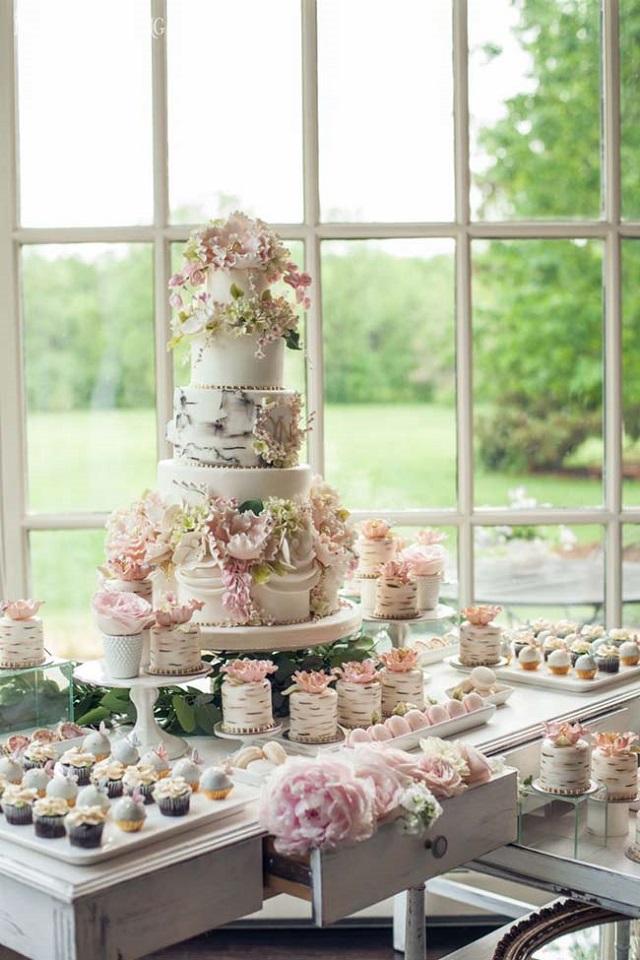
(250, 533)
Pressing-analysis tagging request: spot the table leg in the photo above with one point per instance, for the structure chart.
(623, 939)
(147, 731)
(415, 941)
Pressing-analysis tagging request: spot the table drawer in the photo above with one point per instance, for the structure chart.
(339, 882)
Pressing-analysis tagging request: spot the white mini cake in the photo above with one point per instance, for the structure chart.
(313, 716)
(565, 760)
(479, 639)
(21, 635)
(375, 545)
(246, 697)
(175, 650)
(401, 679)
(615, 764)
(396, 592)
(359, 704)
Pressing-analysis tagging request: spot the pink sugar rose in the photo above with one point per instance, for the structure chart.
(20, 609)
(564, 734)
(312, 681)
(425, 561)
(480, 616)
(248, 671)
(120, 614)
(613, 744)
(376, 530)
(399, 659)
(397, 570)
(429, 536)
(172, 612)
(317, 803)
(354, 672)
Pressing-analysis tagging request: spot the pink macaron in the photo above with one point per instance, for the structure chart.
(455, 708)
(437, 714)
(380, 731)
(397, 725)
(416, 719)
(472, 701)
(357, 736)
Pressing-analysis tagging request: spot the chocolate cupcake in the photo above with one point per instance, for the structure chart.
(173, 796)
(37, 755)
(109, 774)
(608, 659)
(48, 817)
(142, 777)
(85, 826)
(579, 648)
(17, 804)
(79, 764)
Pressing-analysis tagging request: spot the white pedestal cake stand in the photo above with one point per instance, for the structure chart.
(398, 630)
(143, 691)
(289, 636)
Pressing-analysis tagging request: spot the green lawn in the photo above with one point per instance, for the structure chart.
(378, 456)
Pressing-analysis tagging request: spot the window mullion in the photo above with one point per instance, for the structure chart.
(13, 467)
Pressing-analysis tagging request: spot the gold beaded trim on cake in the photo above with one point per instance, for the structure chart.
(174, 672)
(219, 466)
(23, 664)
(263, 729)
(227, 623)
(220, 386)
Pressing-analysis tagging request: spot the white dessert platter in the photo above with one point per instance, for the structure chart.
(116, 842)
(459, 665)
(500, 695)
(448, 728)
(593, 787)
(143, 691)
(289, 636)
(219, 731)
(436, 655)
(542, 677)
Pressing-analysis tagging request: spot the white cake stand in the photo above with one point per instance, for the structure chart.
(289, 636)
(398, 630)
(143, 692)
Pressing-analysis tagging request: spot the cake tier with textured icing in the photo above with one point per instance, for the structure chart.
(359, 704)
(229, 360)
(565, 769)
(479, 646)
(406, 687)
(174, 650)
(246, 707)
(617, 771)
(236, 428)
(372, 553)
(313, 716)
(396, 600)
(184, 481)
(21, 643)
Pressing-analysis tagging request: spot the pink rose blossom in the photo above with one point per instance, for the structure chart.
(120, 614)
(20, 609)
(441, 778)
(612, 744)
(172, 612)
(248, 671)
(354, 672)
(399, 659)
(316, 803)
(396, 570)
(479, 766)
(312, 681)
(387, 781)
(480, 616)
(376, 530)
(564, 734)
(429, 537)
(424, 561)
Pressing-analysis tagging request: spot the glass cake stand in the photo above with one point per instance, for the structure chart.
(399, 630)
(143, 691)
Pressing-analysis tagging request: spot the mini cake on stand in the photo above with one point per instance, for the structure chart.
(565, 763)
(396, 592)
(174, 643)
(479, 638)
(375, 545)
(246, 696)
(401, 679)
(427, 560)
(359, 694)
(614, 763)
(313, 708)
(21, 635)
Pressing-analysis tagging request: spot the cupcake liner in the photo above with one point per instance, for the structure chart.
(86, 835)
(81, 775)
(114, 788)
(33, 764)
(130, 826)
(608, 664)
(18, 816)
(217, 794)
(174, 806)
(145, 790)
(49, 828)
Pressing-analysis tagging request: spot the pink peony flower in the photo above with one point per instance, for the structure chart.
(172, 612)
(479, 766)
(354, 672)
(312, 681)
(133, 533)
(480, 616)
(612, 744)
(20, 609)
(376, 530)
(424, 561)
(441, 778)
(387, 781)
(429, 537)
(120, 614)
(396, 570)
(316, 803)
(248, 671)
(564, 734)
(399, 659)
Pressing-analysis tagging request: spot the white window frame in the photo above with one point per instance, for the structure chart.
(17, 522)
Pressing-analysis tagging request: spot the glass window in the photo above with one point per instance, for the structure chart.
(630, 381)
(630, 107)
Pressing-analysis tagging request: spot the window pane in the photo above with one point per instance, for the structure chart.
(84, 77)
(385, 110)
(538, 362)
(389, 372)
(235, 109)
(630, 381)
(630, 107)
(631, 575)
(89, 370)
(546, 571)
(63, 574)
(534, 102)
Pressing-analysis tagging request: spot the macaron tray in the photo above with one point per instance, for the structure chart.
(543, 677)
(116, 842)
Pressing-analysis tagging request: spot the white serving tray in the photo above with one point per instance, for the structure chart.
(542, 677)
(433, 656)
(501, 695)
(408, 741)
(116, 842)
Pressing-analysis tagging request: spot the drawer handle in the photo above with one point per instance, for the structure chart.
(438, 846)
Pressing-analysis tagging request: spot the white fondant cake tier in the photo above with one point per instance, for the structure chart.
(618, 772)
(246, 707)
(565, 770)
(183, 481)
(226, 360)
(251, 281)
(220, 425)
(479, 646)
(313, 716)
(396, 600)
(372, 553)
(359, 704)
(21, 643)
(407, 687)
(174, 650)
